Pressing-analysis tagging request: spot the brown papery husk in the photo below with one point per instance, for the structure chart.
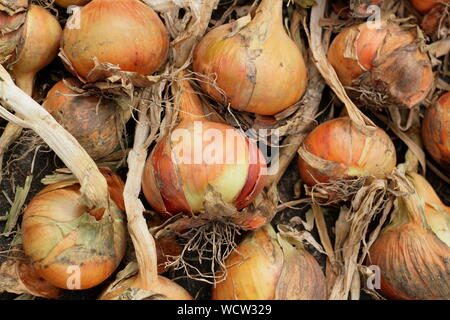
(388, 66)
(265, 266)
(413, 250)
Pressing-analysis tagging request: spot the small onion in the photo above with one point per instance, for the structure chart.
(95, 122)
(259, 68)
(126, 33)
(436, 131)
(337, 150)
(197, 154)
(265, 266)
(413, 251)
(64, 239)
(386, 60)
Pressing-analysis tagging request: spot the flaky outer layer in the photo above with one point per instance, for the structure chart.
(436, 131)
(337, 150)
(385, 60)
(126, 33)
(259, 69)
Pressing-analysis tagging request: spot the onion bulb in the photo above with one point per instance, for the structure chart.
(95, 122)
(384, 61)
(67, 3)
(265, 266)
(337, 150)
(436, 131)
(72, 246)
(424, 6)
(257, 66)
(413, 251)
(126, 33)
(199, 153)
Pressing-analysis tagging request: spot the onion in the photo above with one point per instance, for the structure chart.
(126, 33)
(265, 266)
(414, 249)
(199, 153)
(62, 237)
(436, 131)
(337, 150)
(257, 66)
(385, 61)
(358, 8)
(424, 6)
(95, 122)
(67, 3)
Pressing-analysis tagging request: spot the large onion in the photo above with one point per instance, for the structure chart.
(126, 33)
(258, 68)
(64, 239)
(197, 154)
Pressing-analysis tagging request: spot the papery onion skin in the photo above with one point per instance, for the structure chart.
(259, 269)
(423, 6)
(126, 33)
(386, 60)
(92, 120)
(413, 257)
(38, 46)
(436, 131)
(67, 3)
(61, 238)
(260, 69)
(348, 153)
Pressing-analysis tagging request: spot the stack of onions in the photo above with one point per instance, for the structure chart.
(385, 61)
(126, 33)
(199, 153)
(70, 245)
(257, 67)
(95, 122)
(337, 149)
(436, 131)
(265, 266)
(413, 251)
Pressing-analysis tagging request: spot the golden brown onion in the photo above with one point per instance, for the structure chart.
(265, 266)
(64, 239)
(413, 251)
(436, 131)
(337, 150)
(126, 33)
(95, 122)
(199, 153)
(386, 61)
(259, 68)
(424, 6)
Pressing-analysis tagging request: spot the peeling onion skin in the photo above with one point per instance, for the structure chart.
(263, 269)
(414, 257)
(386, 60)
(260, 69)
(67, 3)
(92, 122)
(424, 6)
(345, 152)
(436, 131)
(55, 242)
(139, 43)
